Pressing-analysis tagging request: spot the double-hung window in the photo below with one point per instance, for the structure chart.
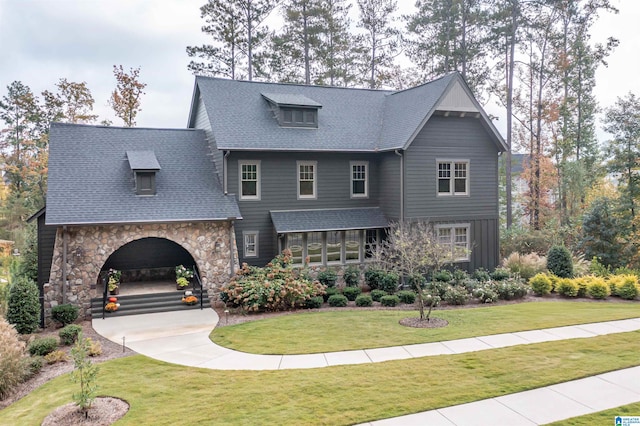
(359, 179)
(453, 177)
(307, 184)
(249, 180)
(250, 243)
(455, 240)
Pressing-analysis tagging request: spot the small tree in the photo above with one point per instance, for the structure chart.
(125, 100)
(412, 249)
(23, 308)
(85, 373)
(559, 262)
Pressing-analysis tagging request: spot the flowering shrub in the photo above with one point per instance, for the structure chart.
(114, 278)
(277, 286)
(111, 307)
(182, 272)
(190, 300)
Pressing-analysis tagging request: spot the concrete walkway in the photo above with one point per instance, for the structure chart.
(183, 338)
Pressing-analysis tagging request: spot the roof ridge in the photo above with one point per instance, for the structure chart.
(99, 126)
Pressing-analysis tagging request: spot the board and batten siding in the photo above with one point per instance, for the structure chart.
(202, 122)
(278, 191)
(456, 138)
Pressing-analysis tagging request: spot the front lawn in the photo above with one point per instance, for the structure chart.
(314, 332)
(165, 394)
(602, 417)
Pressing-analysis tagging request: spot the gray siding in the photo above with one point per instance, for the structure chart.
(279, 192)
(46, 242)
(202, 122)
(451, 138)
(389, 183)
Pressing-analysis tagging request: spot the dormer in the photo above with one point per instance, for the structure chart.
(144, 166)
(293, 110)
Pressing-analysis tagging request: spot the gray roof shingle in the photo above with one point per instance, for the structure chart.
(328, 219)
(143, 160)
(350, 119)
(91, 182)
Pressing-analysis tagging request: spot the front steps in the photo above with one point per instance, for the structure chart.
(148, 303)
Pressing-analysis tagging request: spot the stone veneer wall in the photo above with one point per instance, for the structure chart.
(99, 242)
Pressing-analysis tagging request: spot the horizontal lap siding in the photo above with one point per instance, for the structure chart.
(202, 122)
(278, 191)
(464, 139)
(389, 182)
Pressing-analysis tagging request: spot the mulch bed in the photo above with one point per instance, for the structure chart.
(104, 412)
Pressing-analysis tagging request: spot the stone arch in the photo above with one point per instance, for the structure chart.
(211, 245)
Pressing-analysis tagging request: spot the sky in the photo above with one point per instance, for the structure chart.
(42, 41)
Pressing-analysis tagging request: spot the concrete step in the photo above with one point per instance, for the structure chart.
(149, 303)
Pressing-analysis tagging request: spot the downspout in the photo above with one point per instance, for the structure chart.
(399, 154)
(64, 264)
(224, 172)
(231, 249)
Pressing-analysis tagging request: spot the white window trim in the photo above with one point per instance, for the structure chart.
(452, 227)
(258, 181)
(315, 179)
(452, 162)
(366, 178)
(256, 235)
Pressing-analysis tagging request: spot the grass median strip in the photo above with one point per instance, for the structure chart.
(606, 417)
(315, 332)
(164, 394)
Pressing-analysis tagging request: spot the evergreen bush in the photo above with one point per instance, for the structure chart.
(328, 277)
(390, 300)
(628, 290)
(540, 284)
(456, 296)
(43, 346)
(373, 277)
(559, 262)
(407, 296)
(390, 282)
(351, 293)
(338, 301)
(567, 287)
(377, 294)
(364, 300)
(598, 288)
(69, 334)
(23, 308)
(351, 276)
(64, 314)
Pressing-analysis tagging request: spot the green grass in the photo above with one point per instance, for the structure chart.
(314, 332)
(164, 394)
(602, 417)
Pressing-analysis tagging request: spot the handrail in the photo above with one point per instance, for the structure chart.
(105, 279)
(197, 277)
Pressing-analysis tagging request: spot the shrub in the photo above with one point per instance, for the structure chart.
(23, 308)
(459, 275)
(510, 289)
(417, 281)
(328, 277)
(314, 302)
(390, 300)
(582, 283)
(338, 301)
(364, 300)
(481, 275)
(616, 282)
(500, 274)
(442, 276)
(628, 288)
(12, 359)
(351, 276)
(486, 294)
(94, 348)
(540, 284)
(407, 296)
(598, 269)
(470, 284)
(598, 288)
(33, 366)
(525, 265)
(278, 286)
(456, 296)
(56, 356)
(330, 292)
(377, 294)
(390, 282)
(437, 288)
(351, 292)
(559, 262)
(43, 345)
(373, 277)
(567, 287)
(69, 334)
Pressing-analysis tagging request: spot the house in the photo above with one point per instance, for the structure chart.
(263, 167)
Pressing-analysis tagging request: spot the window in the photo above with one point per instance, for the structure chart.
(294, 243)
(453, 177)
(352, 246)
(334, 247)
(359, 179)
(146, 183)
(371, 243)
(299, 117)
(456, 240)
(306, 179)
(314, 248)
(249, 180)
(250, 243)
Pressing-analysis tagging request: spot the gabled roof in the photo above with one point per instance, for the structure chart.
(350, 119)
(90, 179)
